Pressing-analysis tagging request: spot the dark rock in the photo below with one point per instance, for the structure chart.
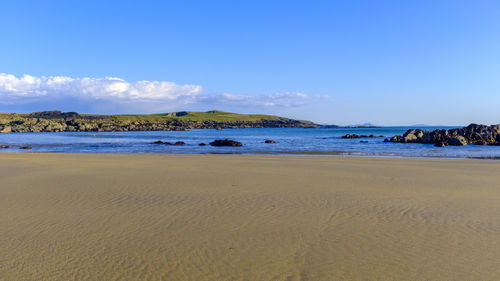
(202, 144)
(169, 143)
(386, 140)
(412, 136)
(440, 144)
(270, 141)
(177, 114)
(226, 142)
(25, 147)
(354, 136)
(457, 141)
(474, 134)
(426, 137)
(396, 138)
(4, 146)
(363, 141)
(481, 142)
(54, 114)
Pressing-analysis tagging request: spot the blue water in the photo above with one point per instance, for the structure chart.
(288, 141)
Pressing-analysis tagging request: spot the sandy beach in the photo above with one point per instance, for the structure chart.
(234, 217)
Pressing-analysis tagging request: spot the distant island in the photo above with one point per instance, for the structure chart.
(57, 121)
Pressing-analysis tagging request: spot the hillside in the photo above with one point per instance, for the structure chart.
(57, 121)
(212, 115)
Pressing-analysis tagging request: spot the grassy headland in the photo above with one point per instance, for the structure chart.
(212, 115)
(56, 121)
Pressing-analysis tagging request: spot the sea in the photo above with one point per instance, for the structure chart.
(289, 141)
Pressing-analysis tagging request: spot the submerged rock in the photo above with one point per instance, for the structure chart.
(270, 141)
(169, 143)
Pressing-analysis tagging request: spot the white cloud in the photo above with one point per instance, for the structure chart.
(286, 99)
(28, 88)
(115, 95)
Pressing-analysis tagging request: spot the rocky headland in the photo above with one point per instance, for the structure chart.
(57, 121)
(472, 134)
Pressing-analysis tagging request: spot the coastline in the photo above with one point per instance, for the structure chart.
(293, 141)
(256, 217)
(301, 154)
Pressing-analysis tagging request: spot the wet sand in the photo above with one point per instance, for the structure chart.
(233, 217)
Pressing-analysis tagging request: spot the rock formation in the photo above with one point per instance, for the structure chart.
(169, 143)
(226, 142)
(474, 134)
(354, 136)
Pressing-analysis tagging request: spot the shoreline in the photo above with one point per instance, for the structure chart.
(299, 154)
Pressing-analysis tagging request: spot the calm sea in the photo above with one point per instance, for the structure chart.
(288, 141)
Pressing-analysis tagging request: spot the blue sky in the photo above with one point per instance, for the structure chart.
(339, 62)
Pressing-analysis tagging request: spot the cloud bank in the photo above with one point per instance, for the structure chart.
(115, 95)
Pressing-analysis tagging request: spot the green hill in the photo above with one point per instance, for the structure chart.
(212, 115)
(57, 121)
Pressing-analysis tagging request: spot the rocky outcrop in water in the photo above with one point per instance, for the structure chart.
(57, 121)
(354, 136)
(169, 143)
(226, 142)
(473, 134)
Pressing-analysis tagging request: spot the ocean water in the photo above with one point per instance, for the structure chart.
(288, 141)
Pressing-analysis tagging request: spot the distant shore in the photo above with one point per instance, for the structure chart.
(57, 121)
(227, 217)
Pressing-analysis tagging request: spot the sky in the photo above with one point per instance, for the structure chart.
(386, 62)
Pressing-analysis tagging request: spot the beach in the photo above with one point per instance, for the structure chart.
(247, 217)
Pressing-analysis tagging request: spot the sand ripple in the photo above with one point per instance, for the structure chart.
(219, 217)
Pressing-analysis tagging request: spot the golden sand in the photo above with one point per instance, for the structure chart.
(233, 217)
